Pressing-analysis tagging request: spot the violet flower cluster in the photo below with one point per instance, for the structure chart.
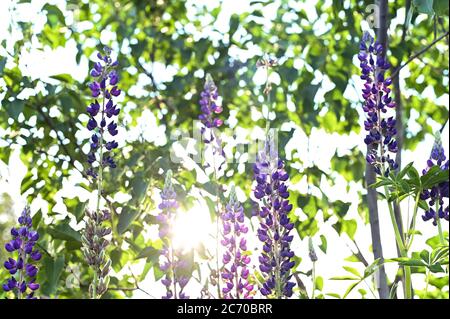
(380, 129)
(437, 194)
(94, 249)
(272, 194)
(172, 263)
(21, 265)
(235, 272)
(209, 106)
(101, 114)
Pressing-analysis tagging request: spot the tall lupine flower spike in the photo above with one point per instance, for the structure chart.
(172, 262)
(235, 273)
(21, 264)
(102, 124)
(94, 250)
(380, 128)
(437, 194)
(272, 196)
(101, 114)
(210, 108)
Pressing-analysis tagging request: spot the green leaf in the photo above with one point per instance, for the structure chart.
(2, 64)
(54, 15)
(424, 6)
(211, 207)
(434, 176)
(393, 291)
(64, 77)
(425, 256)
(404, 171)
(126, 217)
(404, 261)
(52, 268)
(414, 177)
(436, 268)
(372, 268)
(75, 207)
(319, 283)
(353, 271)
(150, 253)
(139, 186)
(15, 107)
(441, 7)
(345, 278)
(323, 245)
(234, 24)
(65, 232)
(350, 288)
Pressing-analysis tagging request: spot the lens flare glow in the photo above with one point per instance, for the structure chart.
(192, 228)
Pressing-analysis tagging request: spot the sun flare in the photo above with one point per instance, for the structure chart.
(192, 228)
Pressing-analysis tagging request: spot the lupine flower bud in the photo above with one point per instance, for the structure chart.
(20, 265)
(172, 262)
(312, 251)
(275, 226)
(439, 193)
(94, 249)
(380, 128)
(235, 273)
(103, 87)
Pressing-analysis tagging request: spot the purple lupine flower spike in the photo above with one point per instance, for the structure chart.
(380, 128)
(275, 226)
(439, 193)
(21, 265)
(235, 273)
(172, 262)
(209, 106)
(102, 112)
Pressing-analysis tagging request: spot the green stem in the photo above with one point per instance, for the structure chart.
(438, 221)
(313, 280)
(427, 282)
(269, 104)
(401, 247)
(99, 191)
(216, 180)
(412, 227)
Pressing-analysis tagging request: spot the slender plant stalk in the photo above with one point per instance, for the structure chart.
(427, 282)
(216, 180)
(412, 227)
(278, 292)
(267, 90)
(438, 221)
(401, 247)
(313, 280)
(172, 263)
(99, 191)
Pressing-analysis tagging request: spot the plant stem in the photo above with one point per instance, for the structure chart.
(401, 246)
(412, 227)
(438, 221)
(216, 180)
(269, 104)
(172, 262)
(99, 190)
(313, 280)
